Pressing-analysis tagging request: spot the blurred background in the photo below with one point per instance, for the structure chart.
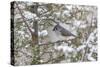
(80, 20)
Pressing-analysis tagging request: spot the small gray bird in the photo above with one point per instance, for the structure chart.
(63, 31)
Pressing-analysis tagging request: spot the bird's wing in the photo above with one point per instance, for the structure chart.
(65, 32)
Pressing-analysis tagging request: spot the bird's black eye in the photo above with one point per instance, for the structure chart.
(55, 28)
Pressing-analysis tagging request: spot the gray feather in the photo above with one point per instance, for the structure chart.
(63, 31)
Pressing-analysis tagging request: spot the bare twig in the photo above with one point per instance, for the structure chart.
(55, 42)
(21, 13)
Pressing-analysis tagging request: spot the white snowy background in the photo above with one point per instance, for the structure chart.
(5, 51)
(80, 20)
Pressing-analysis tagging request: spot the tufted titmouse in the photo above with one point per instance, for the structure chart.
(63, 31)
